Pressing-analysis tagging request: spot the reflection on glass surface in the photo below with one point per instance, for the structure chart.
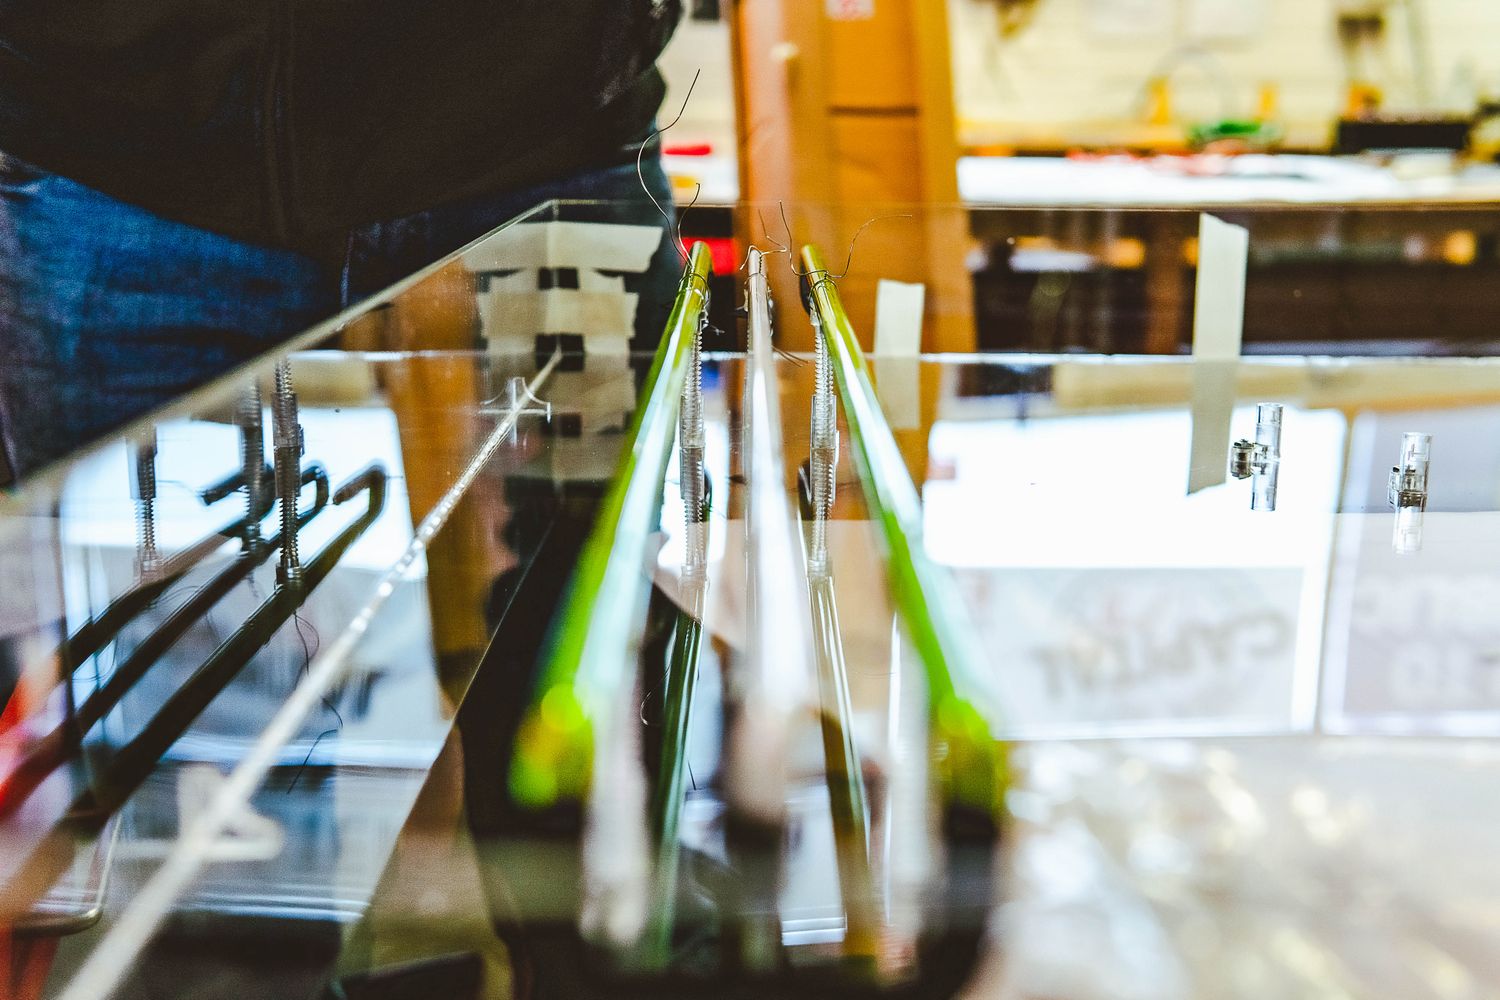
(1137, 604)
(1199, 861)
(1248, 740)
(385, 720)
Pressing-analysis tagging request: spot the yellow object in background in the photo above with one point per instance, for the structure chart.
(1159, 101)
(1362, 100)
(1268, 102)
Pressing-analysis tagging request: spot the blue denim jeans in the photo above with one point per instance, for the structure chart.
(108, 311)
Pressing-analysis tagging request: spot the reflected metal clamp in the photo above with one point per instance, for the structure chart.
(1260, 460)
(143, 493)
(1406, 491)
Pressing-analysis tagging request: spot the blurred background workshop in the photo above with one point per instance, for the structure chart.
(1356, 139)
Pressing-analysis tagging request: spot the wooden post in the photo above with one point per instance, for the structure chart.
(845, 113)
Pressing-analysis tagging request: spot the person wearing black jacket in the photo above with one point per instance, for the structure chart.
(185, 182)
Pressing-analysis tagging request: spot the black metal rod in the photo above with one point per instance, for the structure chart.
(91, 636)
(135, 761)
(55, 749)
(90, 811)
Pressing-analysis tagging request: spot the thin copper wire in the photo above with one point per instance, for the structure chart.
(681, 244)
(785, 248)
(825, 275)
(641, 176)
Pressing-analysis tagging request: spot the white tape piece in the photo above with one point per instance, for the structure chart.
(898, 341)
(516, 305)
(511, 320)
(898, 318)
(1213, 408)
(567, 244)
(1219, 306)
(898, 386)
(1218, 329)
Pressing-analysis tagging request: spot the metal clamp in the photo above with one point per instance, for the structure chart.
(1407, 491)
(1408, 482)
(1260, 460)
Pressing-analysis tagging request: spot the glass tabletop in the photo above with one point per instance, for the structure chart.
(269, 744)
